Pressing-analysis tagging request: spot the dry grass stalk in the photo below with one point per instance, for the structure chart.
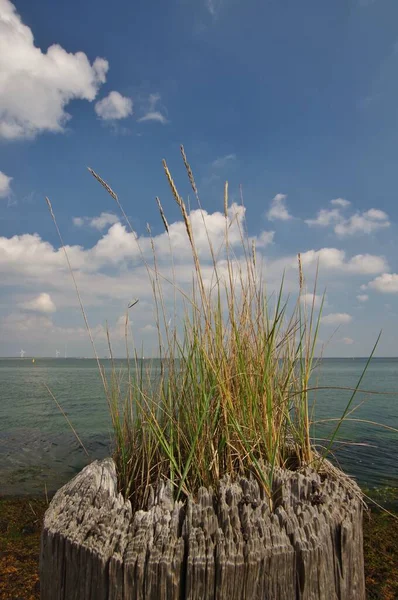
(226, 199)
(189, 171)
(231, 393)
(103, 183)
(165, 223)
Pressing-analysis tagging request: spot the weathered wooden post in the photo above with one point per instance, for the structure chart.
(224, 545)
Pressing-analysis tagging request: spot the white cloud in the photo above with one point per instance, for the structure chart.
(49, 80)
(325, 217)
(336, 319)
(264, 239)
(358, 223)
(24, 323)
(205, 226)
(366, 263)
(149, 328)
(115, 246)
(111, 272)
(278, 210)
(387, 283)
(30, 259)
(366, 222)
(29, 256)
(362, 297)
(114, 106)
(340, 202)
(152, 114)
(347, 340)
(40, 328)
(310, 300)
(5, 185)
(376, 214)
(100, 222)
(42, 304)
(222, 161)
(103, 220)
(334, 259)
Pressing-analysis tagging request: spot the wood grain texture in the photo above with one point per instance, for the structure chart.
(227, 545)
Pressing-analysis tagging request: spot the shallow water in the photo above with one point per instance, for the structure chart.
(38, 451)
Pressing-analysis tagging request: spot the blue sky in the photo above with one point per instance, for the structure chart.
(295, 101)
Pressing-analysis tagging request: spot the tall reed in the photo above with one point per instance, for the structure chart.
(231, 397)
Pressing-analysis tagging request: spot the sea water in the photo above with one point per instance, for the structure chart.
(38, 450)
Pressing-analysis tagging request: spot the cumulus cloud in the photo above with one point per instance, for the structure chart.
(310, 300)
(149, 328)
(278, 210)
(50, 80)
(376, 214)
(115, 246)
(264, 239)
(335, 259)
(114, 106)
(325, 217)
(35, 262)
(5, 185)
(42, 304)
(103, 220)
(347, 340)
(152, 114)
(30, 259)
(100, 222)
(359, 223)
(30, 256)
(366, 222)
(111, 272)
(387, 283)
(205, 226)
(336, 319)
(222, 161)
(366, 263)
(340, 202)
(40, 328)
(362, 297)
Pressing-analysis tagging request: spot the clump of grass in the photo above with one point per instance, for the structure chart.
(231, 397)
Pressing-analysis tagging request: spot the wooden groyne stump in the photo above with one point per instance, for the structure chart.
(224, 545)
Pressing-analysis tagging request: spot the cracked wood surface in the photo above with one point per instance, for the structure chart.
(224, 546)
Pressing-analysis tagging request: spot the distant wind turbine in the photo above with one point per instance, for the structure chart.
(22, 353)
(57, 353)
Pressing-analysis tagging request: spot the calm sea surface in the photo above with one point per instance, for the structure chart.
(38, 449)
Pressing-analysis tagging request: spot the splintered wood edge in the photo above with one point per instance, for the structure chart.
(229, 541)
